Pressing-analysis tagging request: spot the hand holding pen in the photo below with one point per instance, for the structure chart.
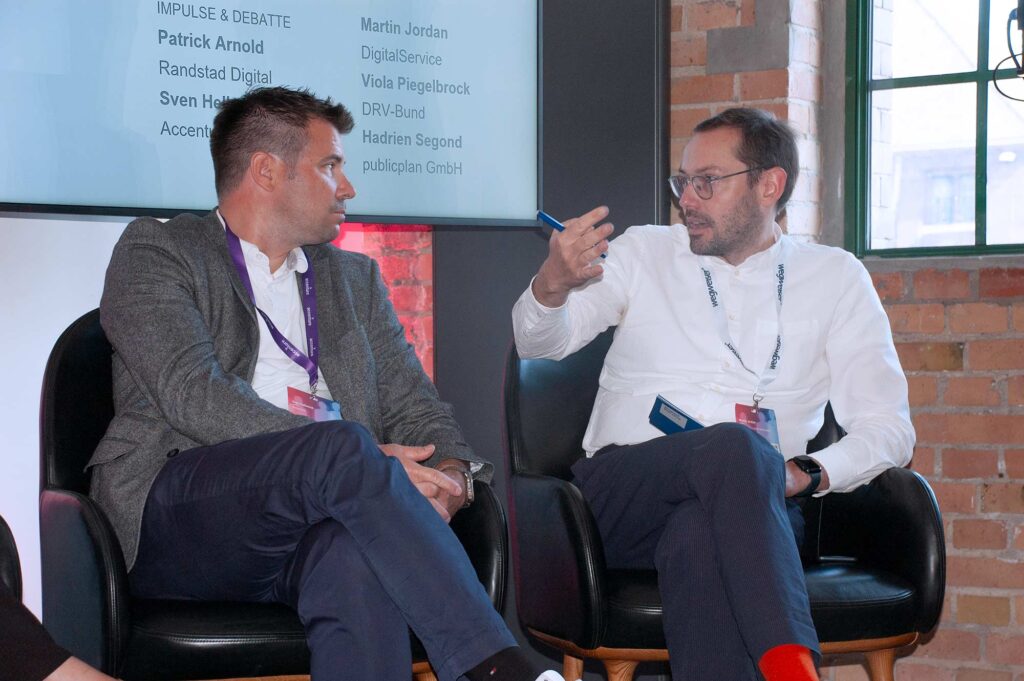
(572, 254)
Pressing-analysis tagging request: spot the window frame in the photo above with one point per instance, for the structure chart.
(857, 171)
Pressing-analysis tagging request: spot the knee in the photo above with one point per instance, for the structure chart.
(338, 444)
(739, 448)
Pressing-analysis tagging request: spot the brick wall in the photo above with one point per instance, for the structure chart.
(958, 324)
(959, 331)
(405, 254)
(790, 92)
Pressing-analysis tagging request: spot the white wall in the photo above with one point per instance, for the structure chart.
(53, 268)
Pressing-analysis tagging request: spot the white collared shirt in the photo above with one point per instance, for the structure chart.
(836, 346)
(277, 294)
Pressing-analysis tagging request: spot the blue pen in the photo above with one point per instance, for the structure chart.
(555, 224)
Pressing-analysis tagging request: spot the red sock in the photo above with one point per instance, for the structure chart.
(789, 662)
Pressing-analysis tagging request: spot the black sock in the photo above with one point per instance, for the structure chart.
(509, 664)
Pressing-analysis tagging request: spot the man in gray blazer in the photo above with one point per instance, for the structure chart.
(237, 336)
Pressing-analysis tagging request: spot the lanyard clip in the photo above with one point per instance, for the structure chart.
(757, 397)
(313, 385)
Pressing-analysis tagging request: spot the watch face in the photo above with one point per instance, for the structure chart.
(807, 464)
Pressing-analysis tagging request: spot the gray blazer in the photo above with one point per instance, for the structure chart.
(185, 339)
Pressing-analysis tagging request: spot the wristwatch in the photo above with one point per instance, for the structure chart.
(813, 469)
(470, 494)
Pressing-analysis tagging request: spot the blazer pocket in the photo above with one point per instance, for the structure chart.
(125, 433)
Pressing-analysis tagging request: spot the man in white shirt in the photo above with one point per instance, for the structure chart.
(731, 321)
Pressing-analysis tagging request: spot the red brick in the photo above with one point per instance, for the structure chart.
(912, 669)
(952, 644)
(748, 13)
(707, 15)
(1018, 606)
(407, 237)
(1014, 459)
(1005, 648)
(959, 428)
(917, 318)
(411, 298)
(755, 85)
(991, 610)
(396, 267)
(702, 89)
(969, 463)
(1015, 391)
(1018, 545)
(941, 284)
(954, 497)
(675, 22)
(983, 675)
(988, 573)
(931, 356)
(889, 285)
(924, 390)
(1018, 316)
(1002, 497)
(688, 51)
(683, 121)
(923, 461)
(978, 318)
(972, 391)
(996, 354)
(979, 534)
(423, 269)
(1001, 282)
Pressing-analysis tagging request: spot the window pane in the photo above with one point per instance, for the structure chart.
(1005, 209)
(923, 37)
(922, 166)
(998, 50)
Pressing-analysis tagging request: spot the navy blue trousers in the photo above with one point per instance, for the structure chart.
(320, 519)
(707, 510)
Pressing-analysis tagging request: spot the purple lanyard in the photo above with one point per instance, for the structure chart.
(308, 293)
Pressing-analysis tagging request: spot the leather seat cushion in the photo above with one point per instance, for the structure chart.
(207, 640)
(848, 602)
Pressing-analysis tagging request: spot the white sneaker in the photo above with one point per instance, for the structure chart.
(551, 675)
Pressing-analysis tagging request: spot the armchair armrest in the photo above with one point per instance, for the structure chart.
(85, 583)
(559, 560)
(484, 535)
(892, 523)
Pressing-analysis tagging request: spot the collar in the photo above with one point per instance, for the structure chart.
(294, 262)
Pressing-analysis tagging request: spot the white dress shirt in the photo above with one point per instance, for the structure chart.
(277, 294)
(836, 346)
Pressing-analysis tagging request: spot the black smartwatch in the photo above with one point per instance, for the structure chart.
(813, 469)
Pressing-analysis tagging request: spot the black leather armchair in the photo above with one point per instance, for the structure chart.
(874, 558)
(86, 604)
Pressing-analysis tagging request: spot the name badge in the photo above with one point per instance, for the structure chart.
(761, 421)
(317, 408)
(669, 419)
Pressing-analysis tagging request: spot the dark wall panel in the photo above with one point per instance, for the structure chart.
(604, 142)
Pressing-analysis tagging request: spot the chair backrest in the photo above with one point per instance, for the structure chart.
(10, 567)
(76, 404)
(547, 407)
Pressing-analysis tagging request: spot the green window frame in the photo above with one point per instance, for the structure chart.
(859, 88)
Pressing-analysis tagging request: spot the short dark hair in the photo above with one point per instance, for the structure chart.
(270, 119)
(766, 142)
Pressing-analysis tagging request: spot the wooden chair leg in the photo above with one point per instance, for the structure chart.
(620, 670)
(572, 667)
(424, 676)
(881, 664)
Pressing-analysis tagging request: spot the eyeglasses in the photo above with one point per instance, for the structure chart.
(702, 184)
